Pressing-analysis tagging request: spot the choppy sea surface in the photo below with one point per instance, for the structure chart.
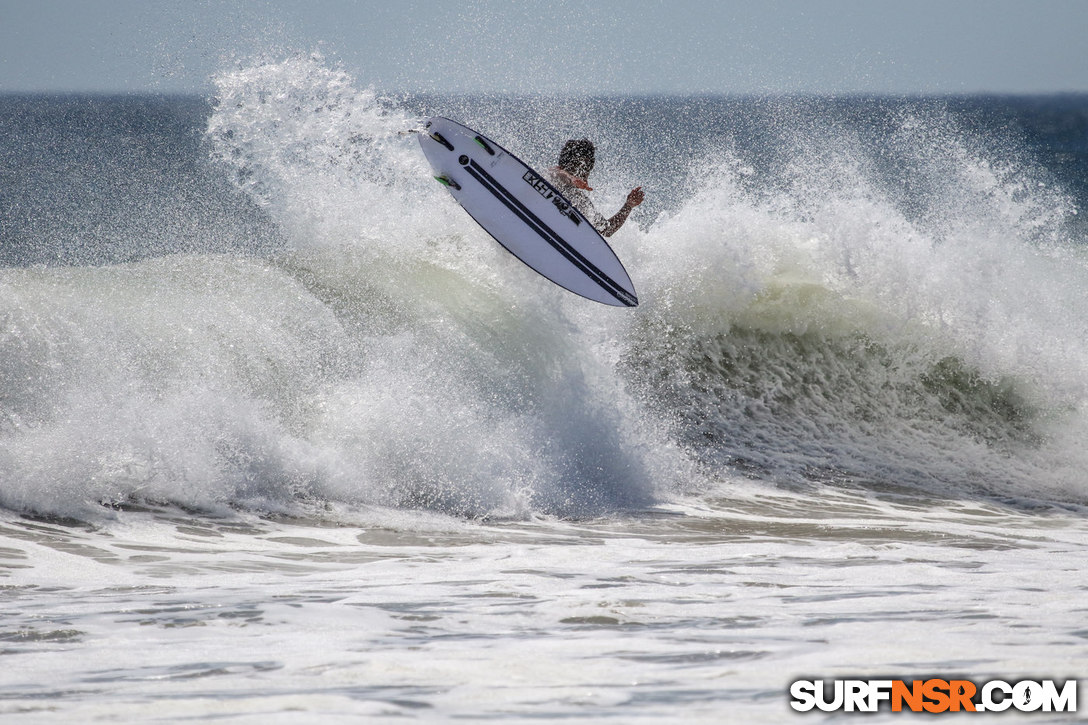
(285, 437)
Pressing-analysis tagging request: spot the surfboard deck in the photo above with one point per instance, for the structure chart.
(524, 212)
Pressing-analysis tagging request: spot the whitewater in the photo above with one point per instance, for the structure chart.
(286, 437)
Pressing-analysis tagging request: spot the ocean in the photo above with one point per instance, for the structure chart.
(286, 437)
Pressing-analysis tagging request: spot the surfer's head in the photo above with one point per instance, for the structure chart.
(577, 157)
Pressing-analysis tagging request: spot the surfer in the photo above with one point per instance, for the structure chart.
(576, 160)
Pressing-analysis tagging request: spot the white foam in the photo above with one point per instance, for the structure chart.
(394, 355)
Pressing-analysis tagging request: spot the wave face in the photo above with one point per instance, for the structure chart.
(883, 293)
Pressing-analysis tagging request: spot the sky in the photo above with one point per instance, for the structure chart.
(556, 46)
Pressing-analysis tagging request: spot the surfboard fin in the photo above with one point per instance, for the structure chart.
(447, 181)
(484, 145)
(442, 140)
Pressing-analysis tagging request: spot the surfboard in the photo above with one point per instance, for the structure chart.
(524, 212)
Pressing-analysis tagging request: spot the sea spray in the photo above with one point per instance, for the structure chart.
(812, 313)
(367, 362)
(815, 327)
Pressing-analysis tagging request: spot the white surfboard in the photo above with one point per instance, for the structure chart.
(521, 209)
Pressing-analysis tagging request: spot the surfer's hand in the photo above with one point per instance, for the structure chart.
(634, 198)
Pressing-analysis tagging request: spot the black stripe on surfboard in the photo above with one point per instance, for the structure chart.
(549, 235)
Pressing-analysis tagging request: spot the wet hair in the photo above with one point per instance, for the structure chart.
(577, 151)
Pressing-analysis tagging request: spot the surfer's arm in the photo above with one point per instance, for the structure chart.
(633, 199)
